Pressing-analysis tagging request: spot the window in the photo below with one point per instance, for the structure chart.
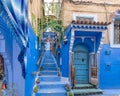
(84, 17)
(115, 31)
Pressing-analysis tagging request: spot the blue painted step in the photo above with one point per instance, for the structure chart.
(50, 68)
(52, 92)
(49, 72)
(49, 65)
(49, 78)
(50, 82)
(48, 62)
(50, 85)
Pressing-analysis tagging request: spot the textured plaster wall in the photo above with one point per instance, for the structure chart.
(18, 80)
(104, 13)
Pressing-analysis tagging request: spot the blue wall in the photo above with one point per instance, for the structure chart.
(32, 56)
(64, 53)
(17, 71)
(109, 72)
(8, 37)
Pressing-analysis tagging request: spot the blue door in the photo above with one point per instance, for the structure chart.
(81, 64)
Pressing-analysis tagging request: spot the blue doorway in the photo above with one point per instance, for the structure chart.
(81, 63)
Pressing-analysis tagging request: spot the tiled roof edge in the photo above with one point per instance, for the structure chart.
(90, 22)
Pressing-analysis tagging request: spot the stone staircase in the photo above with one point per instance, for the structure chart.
(50, 83)
(86, 90)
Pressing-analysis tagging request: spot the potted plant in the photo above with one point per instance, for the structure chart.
(37, 81)
(39, 74)
(36, 89)
(70, 94)
(59, 74)
(67, 87)
(41, 68)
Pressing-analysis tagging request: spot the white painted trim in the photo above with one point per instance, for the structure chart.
(70, 52)
(90, 30)
(94, 16)
(98, 66)
(112, 36)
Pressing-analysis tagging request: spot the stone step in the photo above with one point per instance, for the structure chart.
(50, 68)
(49, 78)
(48, 62)
(49, 65)
(84, 92)
(50, 85)
(83, 86)
(49, 73)
(52, 92)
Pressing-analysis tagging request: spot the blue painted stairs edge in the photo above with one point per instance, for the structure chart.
(50, 83)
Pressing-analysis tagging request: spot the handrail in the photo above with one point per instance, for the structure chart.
(40, 59)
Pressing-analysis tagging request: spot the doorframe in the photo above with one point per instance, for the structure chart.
(90, 65)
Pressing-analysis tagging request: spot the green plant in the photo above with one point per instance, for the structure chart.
(70, 94)
(36, 89)
(67, 87)
(41, 68)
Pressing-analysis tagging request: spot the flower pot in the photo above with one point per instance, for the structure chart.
(37, 81)
(36, 89)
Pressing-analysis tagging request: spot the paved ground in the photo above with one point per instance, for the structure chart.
(107, 92)
(110, 92)
(0, 88)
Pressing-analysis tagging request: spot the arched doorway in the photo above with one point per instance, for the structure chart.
(81, 64)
